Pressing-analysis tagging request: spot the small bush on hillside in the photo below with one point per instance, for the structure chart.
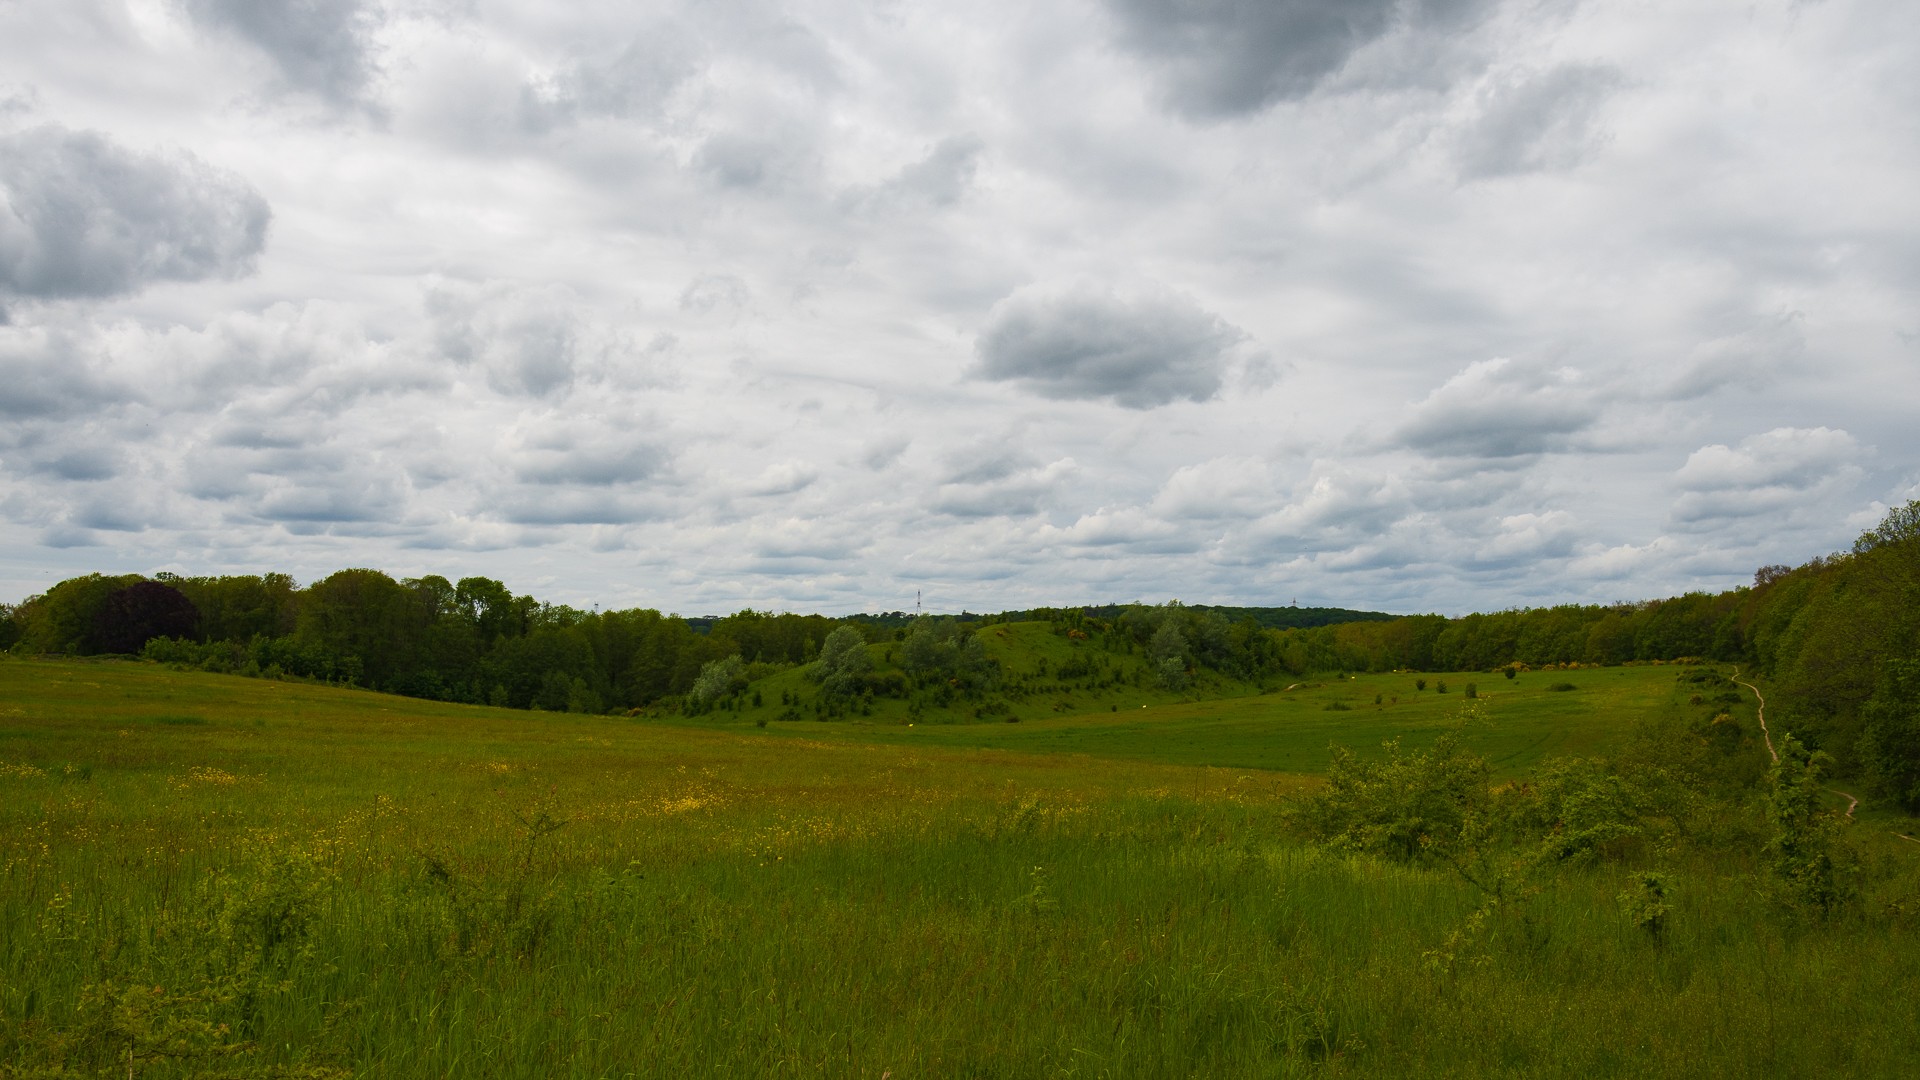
(1562, 687)
(1419, 684)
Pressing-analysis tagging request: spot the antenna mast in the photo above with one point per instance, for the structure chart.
(916, 603)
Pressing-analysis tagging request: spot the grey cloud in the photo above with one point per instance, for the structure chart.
(526, 341)
(634, 83)
(1338, 510)
(319, 499)
(81, 216)
(573, 507)
(47, 375)
(566, 460)
(940, 179)
(1136, 351)
(881, 453)
(736, 160)
(1748, 359)
(1002, 488)
(715, 292)
(66, 536)
(1502, 409)
(1227, 487)
(985, 464)
(1778, 472)
(1223, 58)
(110, 515)
(322, 47)
(783, 478)
(84, 463)
(1544, 121)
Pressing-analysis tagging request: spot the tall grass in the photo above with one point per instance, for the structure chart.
(460, 893)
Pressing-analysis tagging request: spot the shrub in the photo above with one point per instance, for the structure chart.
(718, 679)
(1808, 857)
(1413, 806)
(1473, 691)
(1419, 684)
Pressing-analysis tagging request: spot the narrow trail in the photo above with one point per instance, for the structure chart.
(1853, 801)
(1764, 733)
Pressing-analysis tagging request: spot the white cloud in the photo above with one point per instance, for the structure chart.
(699, 305)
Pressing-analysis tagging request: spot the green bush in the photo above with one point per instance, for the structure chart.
(1411, 807)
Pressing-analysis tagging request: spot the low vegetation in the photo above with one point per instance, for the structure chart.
(1142, 843)
(212, 876)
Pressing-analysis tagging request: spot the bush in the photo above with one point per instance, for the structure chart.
(718, 679)
(1809, 859)
(1473, 691)
(1411, 807)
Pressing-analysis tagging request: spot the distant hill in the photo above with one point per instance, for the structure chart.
(1272, 618)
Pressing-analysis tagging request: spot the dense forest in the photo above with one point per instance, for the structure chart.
(1838, 636)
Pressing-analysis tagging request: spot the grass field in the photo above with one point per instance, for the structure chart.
(204, 875)
(1289, 730)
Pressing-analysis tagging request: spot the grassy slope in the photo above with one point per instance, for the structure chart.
(1231, 723)
(810, 900)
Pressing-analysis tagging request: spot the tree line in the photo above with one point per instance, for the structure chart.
(473, 641)
(1839, 638)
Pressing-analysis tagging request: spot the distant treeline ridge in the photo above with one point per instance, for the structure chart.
(1839, 636)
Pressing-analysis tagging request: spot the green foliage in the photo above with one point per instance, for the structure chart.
(940, 650)
(725, 902)
(718, 679)
(1890, 738)
(1581, 810)
(64, 619)
(844, 663)
(1646, 903)
(1413, 806)
(1810, 862)
(1167, 652)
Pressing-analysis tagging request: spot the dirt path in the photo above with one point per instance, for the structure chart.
(1853, 801)
(1764, 733)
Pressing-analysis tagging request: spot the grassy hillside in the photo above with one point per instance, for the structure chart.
(1116, 711)
(203, 875)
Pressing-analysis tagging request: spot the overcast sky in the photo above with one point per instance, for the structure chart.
(1425, 305)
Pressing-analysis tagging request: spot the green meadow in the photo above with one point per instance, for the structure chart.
(1289, 728)
(206, 875)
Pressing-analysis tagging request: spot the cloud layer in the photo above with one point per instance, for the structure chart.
(1407, 304)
